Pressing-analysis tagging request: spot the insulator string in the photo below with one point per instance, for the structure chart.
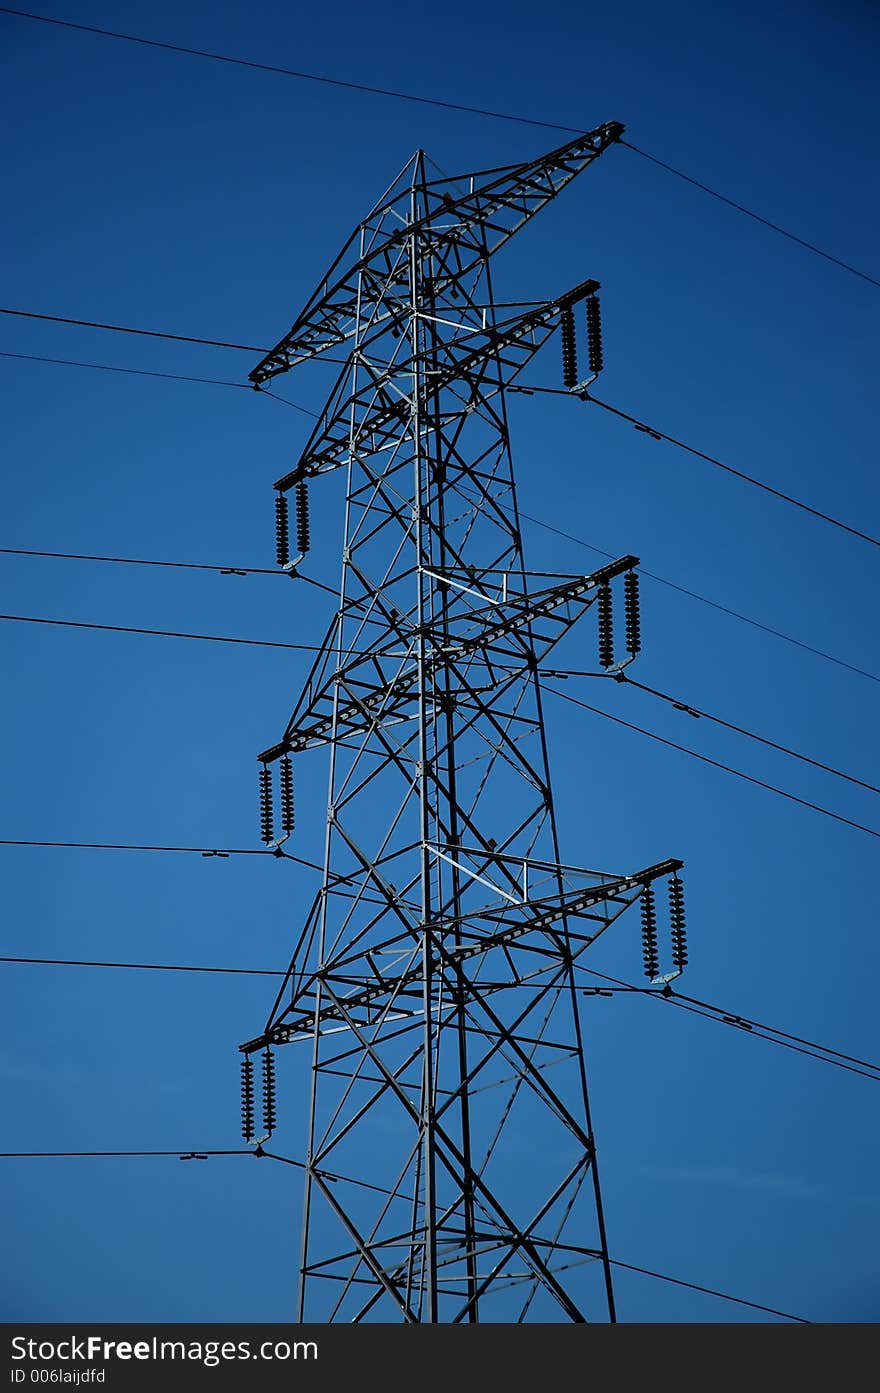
(247, 1099)
(269, 1116)
(287, 818)
(303, 533)
(569, 347)
(282, 531)
(267, 821)
(632, 613)
(594, 335)
(606, 626)
(650, 955)
(677, 923)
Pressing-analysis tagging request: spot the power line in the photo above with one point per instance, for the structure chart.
(750, 213)
(130, 372)
(445, 105)
(870, 1071)
(295, 406)
(175, 565)
(147, 967)
(539, 522)
(315, 648)
(259, 1153)
(759, 1030)
(69, 1155)
(710, 1291)
(720, 1014)
(168, 376)
(756, 624)
(147, 561)
(750, 734)
(180, 967)
(689, 710)
(529, 391)
(206, 851)
(332, 1176)
(160, 633)
(530, 517)
(694, 594)
(655, 434)
(661, 580)
(181, 1155)
(716, 764)
(737, 473)
(127, 328)
(292, 72)
(268, 643)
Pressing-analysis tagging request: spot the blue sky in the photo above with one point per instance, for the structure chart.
(171, 193)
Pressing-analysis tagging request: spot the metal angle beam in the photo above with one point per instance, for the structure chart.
(518, 921)
(387, 695)
(384, 403)
(450, 217)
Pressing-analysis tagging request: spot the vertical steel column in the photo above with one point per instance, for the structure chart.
(421, 520)
(328, 836)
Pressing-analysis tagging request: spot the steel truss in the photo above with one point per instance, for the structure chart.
(450, 1167)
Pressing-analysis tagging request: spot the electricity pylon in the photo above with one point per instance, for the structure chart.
(450, 1169)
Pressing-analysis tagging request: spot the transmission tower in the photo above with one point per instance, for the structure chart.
(435, 988)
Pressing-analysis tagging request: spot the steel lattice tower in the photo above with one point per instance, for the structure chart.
(450, 1168)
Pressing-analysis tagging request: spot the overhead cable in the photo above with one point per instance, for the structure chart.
(443, 104)
(716, 764)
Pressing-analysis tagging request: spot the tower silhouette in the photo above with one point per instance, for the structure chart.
(435, 989)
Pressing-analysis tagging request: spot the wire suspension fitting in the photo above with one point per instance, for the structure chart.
(269, 1117)
(282, 531)
(303, 535)
(569, 347)
(650, 954)
(632, 613)
(606, 627)
(267, 821)
(594, 335)
(247, 1098)
(287, 819)
(677, 924)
